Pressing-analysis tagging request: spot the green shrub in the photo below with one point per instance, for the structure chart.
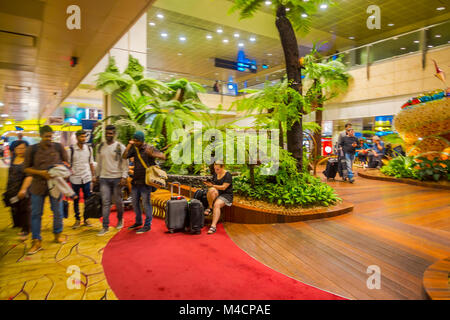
(288, 187)
(420, 168)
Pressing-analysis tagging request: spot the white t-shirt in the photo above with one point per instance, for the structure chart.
(82, 158)
(109, 161)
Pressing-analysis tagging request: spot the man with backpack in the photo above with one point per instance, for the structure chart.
(144, 157)
(39, 158)
(83, 173)
(112, 171)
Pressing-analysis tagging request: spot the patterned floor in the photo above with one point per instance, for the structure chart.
(46, 275)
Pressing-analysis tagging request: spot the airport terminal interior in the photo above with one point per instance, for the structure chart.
(224, 150)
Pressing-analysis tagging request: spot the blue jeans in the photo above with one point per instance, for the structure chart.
(110, 188)
(349, 158)
(86, 193)
(142, 191)
(37, 208)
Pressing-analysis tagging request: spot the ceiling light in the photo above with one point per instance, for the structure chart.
(1, 104)
(152, 24)
(236, 35)
(269, 54)
(351, 38)
(288, 9)
(159, 15)
(438, 36)
(182, 38)
(179, 53)
(225, 40)
(219, 30)
(323, 6)
(268, 3)
(402, 48)
(240, 44)
(164, 35)
(8, 122)
(390, 24)
(5, 115)
(304, 15)
(208, 36)
(440, 8)
(252, 39)
(416, 41)
(430, 46)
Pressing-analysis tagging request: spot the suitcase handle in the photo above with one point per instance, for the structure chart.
(171, 188)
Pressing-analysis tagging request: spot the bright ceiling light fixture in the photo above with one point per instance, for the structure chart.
(288, 9)
(152, 24)
(304, 15)
(236, 35)
(164, 35)
(430, 46)
(402, 48)
(8, 122)
(440, 8)
(160, 16)
(438, 36)
(351, 38)
(182, 38)
(416, 41)
(220, 30)
(1, 104)
(323, 6)
(5, 115)
(208, 36)
(240, 44)
(269, 54)
(252, 39)
(390, 25)
(179, 53)
(225, 40)
(268, 3)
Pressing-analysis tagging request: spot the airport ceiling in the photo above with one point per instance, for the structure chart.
(36, 47)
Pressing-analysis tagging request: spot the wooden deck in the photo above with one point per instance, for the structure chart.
(400, 228)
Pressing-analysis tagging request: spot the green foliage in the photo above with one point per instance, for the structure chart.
(247, 9)
(134, 69)
(287, 187)
(421, 168)
(393, 139)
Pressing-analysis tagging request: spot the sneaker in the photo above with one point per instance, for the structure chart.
(352, 180)
(59, 238)
(119, 225)
(76, 225)
(142, 230)
(102, 232)
(87, 223)
(36, 247)
(134, 226)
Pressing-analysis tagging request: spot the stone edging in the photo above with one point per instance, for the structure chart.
(419, 183)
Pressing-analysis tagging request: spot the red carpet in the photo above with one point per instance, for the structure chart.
(161, 266)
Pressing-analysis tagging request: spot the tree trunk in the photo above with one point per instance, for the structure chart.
(318, 135)
(291, 56)
(281, 134)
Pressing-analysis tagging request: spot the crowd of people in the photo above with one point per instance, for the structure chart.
(40, 170)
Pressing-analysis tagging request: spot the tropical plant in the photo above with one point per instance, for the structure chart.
(327, 80)
(286, 22)
(288, 187)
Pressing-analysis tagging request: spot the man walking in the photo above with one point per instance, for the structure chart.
(82, 163)
(144, 156)
(38, 159)
(349, 145)
(112, 171)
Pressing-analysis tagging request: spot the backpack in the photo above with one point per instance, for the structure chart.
(35, 147)
(72, 149)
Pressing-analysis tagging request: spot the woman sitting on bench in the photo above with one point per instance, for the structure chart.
(220, 193)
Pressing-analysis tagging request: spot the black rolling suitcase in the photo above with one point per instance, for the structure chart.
(196, 216)
(93, 206)
(331, 169)
(176, 211)
(200, 194)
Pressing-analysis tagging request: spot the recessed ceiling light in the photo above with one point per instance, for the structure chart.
(236, 35)
(351, 38)
(268, 3)
(159, 15)
(1, 104)
(323, 6)
(438, 36)
(240, 44)
(219, 30)
(5, 115)
(179, 53)
(164, 35)
(225, 40)
(390, 24)
(252, 39)
(269, 54)
(430, 46)
(402, 48)
(440, 8)
(152, 24)
(182, 38)
(208, 36)
(304, 15)
(416, 41)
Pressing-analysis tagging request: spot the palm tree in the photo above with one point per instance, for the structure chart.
(328, 79)
(286, 22)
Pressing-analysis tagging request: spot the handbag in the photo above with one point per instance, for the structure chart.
(154, 175)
